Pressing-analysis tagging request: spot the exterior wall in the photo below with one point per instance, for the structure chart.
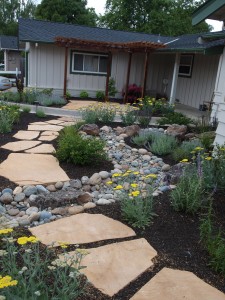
(12, 60)
(218, 110)
(200, 87)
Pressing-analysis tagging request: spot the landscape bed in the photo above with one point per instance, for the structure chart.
(174, 235)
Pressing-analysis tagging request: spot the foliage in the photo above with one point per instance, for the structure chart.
(163, 144)
(133, 93)
(213, 240)
(142, 138)
(68, 95)
(47, 92)
(74, 148)
(112, 87)
(147, 16)
(10, 11)
(214, 168)
(136, 210)
(40, 113)
(84, 95)
(49, 100)
(154, 106)
(101, 112)
(34, 272)
(175, 118)
(187, 196)
(207, 139)
(73, 12)
(100, 95)
(144, 120)
(26, 109)
(185, 150)
(128, 117)
(9, 114)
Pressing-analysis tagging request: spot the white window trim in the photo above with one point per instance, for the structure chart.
(188, 65)
(85, 54)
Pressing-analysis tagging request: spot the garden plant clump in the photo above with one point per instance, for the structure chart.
(74, 148)
(9, 114)
(101, 112)
(31, 270)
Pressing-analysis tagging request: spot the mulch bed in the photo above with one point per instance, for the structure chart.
(174, 235)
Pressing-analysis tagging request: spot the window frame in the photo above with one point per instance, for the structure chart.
(186, 75)
(73, 71)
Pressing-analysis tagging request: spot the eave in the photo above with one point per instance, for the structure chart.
(212, 9)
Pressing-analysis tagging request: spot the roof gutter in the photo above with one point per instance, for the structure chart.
(214, 36)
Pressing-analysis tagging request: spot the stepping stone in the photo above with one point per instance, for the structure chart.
(26, 135)
(67, 119)
(54, 122)
(45, 127)
(112, 267)
(20, 146)
(44, 148)
(81, 229)
(171, 284)
(47, 138)
(55, 133)
(68, 123)
(23, 169)
(39, 123)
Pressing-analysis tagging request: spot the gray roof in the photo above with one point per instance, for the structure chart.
(45, 31)
(9, 42)
(194, 42)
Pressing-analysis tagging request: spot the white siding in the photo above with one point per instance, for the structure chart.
(199, 88)
(219, 102)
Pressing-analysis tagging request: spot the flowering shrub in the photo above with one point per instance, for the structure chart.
(100, 112)
(30, 270)
(133, 93)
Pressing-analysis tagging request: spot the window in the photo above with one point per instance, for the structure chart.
(186, 65)
(89, 63)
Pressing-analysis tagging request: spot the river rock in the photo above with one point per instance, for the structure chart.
(30, 190)
(59, 185)
(76, 184)
(104, 174)
(84, 198)
(32, 209)
(17, 190)
(95, 179)
(41, 189)
(35, 216)
(165, 167)
(176, 130)
(6, 198)
(142, 151)
(13, 211)
(45, 215)
(103, 201)
(85, 180)
(91, 129)
(19, 197)
(51, 188)
(74, 210)
(7, 190)
(89, 205)
(60, 211)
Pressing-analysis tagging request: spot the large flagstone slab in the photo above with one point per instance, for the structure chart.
(44, 148)
(54, 122)
(171, 284)
(110, 268)
(45, 127)
(26, 135)
(55, 133)
(81, 229)
(20, 145)
(23, 169)
(47, 138)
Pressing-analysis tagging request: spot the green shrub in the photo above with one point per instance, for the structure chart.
(89, 116)
(9, 114)
(175, 118)
(162, 144)
(84, 94)
(214, 242)
(137, 211)
(26, 109)
(128, 117)
(47, 92)
(100, 95)
(207, 139)
(30, 96)
(40, 113)
(100, 112)
(187, 196)
(185, 149)
(112, 87)
(72, 147)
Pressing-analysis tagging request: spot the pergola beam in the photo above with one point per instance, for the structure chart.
(128, 77)
(145, 74)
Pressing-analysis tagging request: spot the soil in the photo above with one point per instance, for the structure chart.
(174, 235)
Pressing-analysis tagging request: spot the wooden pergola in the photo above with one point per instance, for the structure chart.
(109, 48)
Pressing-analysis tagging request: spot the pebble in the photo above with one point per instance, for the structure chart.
(32, 209)
(89, 205)
(13, 211)
(41, 189)
(7, 190)
(45, 215)
(6, 198)
(51, 188)
(59, 185)
(104, 174)
(74, 210)
(19, 197)
(103, 201)
(17, 190)
(30, 190)
(76, 184)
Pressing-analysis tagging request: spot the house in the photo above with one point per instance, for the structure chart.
(12, 58)
(75, 58)
(215, 9)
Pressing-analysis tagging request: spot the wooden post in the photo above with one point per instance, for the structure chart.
(128, 77)
(107, 77)
(145, 74)
(65, 72)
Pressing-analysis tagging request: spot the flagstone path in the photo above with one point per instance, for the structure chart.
(111, 267)
(32, 161)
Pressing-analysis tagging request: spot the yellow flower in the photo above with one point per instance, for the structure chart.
(82, 251)
(184, 160)
(128, 171)
(7, 281)
(32, 239)
(136, 173)
(134, 185)
(125, 174)
(5, 231)
(199, 148)
(118, 187)
(116, 175)
(109, 182)
(208, 158)
(151, 176)
(22, 240)
(63, 245)
(134, 193)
